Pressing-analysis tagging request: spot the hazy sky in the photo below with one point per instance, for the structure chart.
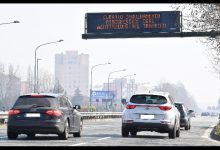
(153, 60)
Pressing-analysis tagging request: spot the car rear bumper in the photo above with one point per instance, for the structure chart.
(140, 126)
(183, 122)
(41, 127)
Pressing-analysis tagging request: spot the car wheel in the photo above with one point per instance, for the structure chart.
(78, 134)
(133, 133)
(124, 132)
(65, 134)
(187, 127)
(172, 133)
(31, 135)
(178, 132)
(12, 135)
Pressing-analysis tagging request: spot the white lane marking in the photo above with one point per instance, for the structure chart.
(85, 143)
(104, 138)
(77, 144)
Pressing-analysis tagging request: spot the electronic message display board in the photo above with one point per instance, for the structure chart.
(133, 22)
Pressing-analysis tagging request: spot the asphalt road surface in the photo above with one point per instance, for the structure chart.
(107, 132)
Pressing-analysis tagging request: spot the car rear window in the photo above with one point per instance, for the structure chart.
(148, 99)
(36, 101)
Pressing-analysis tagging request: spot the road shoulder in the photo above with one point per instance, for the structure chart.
(214, 136)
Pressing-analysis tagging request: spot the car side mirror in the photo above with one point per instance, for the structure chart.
(76, 107)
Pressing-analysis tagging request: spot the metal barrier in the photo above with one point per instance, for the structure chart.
(100, 115)
(85, 115)
(3, 117)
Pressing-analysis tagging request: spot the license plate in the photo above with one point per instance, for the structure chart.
(33, 115)
(147, 116)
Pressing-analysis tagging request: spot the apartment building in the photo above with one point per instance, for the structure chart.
(72, 72)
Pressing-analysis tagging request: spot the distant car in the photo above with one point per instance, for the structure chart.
(185, 115)
(214, 114)
(44, 113)
(205, 114)
(151, 112)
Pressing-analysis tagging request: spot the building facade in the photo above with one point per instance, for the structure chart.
(72, 72)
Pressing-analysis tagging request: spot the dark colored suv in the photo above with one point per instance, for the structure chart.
(44, 114)
(185, 115)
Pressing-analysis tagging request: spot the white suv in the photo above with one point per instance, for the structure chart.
(151, 112)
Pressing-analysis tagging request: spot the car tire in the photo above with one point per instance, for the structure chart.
(172, 133)
(30, 135)
(12, 135)
(124, 132)
(65, 134)
(133, 133)
(78, 134)
(187, 127)
(178, 132)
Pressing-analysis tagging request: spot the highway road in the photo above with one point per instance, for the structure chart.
(108, 133)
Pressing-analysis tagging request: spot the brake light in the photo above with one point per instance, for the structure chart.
(130, 106)
(165, 108)
(14, 112)
(53, 112)
(37, 96)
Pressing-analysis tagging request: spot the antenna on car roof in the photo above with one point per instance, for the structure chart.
(149, 91)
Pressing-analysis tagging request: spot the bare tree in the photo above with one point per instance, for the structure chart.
(58, 88)
(178, 92)
(30, 80)
(204, 17)
(9, 86)
(2, 83)
(46, 81)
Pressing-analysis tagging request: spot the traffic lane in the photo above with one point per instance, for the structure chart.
(89, 126)
(108, 133)
(193, 137)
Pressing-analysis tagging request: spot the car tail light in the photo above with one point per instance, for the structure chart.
(130, 106)
(165, 108)
(53, 112)
(14, 112)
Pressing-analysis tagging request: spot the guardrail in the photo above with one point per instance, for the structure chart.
(85, 115)
(3, 117)
(100, 115)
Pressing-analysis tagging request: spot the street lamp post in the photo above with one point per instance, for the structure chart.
(108, 85)
(35, 59)
(9, 22)
(37, 73)
(121, 85)
(90, 93)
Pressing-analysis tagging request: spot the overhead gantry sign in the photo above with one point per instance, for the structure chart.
(137, 25)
